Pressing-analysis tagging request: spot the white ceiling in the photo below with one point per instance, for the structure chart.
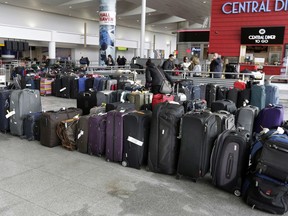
(161, 16)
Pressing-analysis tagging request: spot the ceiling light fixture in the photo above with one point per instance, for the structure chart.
(6, 2)
(204, 2)
(70, 6)
(137, 20)
(41, 9)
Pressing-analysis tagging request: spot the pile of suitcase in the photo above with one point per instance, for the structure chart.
(195, 130)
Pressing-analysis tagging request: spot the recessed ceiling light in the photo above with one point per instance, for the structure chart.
(137, 20)
(149, 14)
(204, 2)
(97, 11)
(6, 2)
(70, 6)
(152, 25)
(165, 26)
(41, 9)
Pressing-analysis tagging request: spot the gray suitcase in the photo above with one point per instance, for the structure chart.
(23, 102)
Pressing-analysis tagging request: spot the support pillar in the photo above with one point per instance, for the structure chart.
(107, 22)
(52, 48)
(143, 23)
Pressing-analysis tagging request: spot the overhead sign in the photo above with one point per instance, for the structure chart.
(254, 6)
(262, 35)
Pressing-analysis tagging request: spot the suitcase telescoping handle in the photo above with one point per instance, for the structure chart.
(229, 166)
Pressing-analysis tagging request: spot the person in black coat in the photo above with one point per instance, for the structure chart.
(216, 66)
(155, 76)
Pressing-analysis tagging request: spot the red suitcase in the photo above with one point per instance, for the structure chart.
(240, 85)
(160, 98)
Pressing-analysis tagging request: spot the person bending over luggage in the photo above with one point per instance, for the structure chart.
(155, 76)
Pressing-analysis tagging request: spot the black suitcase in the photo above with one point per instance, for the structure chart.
(106, 97)
(210, 94)
(86, 101)
(229, 160)
(74, 87)
(56, 87)
(31, 126)
(244, 98)
(226, 120)
(222, 93)
(224, 104)
(4, 109)
(163, 142)
(120, 106)
(65, 86)
(233, 95)
(82, 134)
(89, 82)
(136, 138)
(199, 130)
(37, 84)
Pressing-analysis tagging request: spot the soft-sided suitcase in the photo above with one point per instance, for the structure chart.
(89, 82)
(203, 91)
(272, 94)
(195, 92)
(210, 94)
(229, 160)
(31, 126)
(241, 85)
(222, 93)
(245, 118)
(163, 142)
(199, 130)
(74, 87)
(4, 109)
(86, 100)
(23, 102)
(81, 84)
(224, 104)
(49, 121)
(225, 120)
(233, 95)
(97, 109)
(270, 117)
(120, 106)
(106, 97)
(97, 134)
(244, 98)
(65, 86)
(46, 86)
(82, 133)
(136, 138)
(114, 136)
(160, 98)
(57, 87)
(37, 83)
(29, 82)
(258, 96)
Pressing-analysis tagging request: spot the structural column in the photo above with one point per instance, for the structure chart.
(107, 22)
(143, 23)
(52, 48)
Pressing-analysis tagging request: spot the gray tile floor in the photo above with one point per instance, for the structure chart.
(40, 181)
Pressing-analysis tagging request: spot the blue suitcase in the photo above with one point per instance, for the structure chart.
(272, 94)
(258, 96)
(81, 84)
(195, 92)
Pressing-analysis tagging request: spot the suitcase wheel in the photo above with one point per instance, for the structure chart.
(237, 193)
(124, 163)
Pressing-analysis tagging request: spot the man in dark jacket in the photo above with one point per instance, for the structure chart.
(155, 76)
(169, 64)
(216, 66)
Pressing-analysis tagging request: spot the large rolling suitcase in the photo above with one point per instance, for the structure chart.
(244, 98)
(23, 102)
(106, 96)
(74, 87)
(136, 138)
(272, 94)
(199, 130)
(49, 121)
(82, 134)
(89, 82)
(31, 126)
(210, 94)
(203, 91)
(229, 160)
(4, 109)
(163, 142)
(233, 95)
(111, 83)
(65, 86)
(81, 84)
(222, 93)
(245, 118)
(270, 117)
(114, 136)
(224, 104)
(258, 96)
(86, 100)
(97, 134)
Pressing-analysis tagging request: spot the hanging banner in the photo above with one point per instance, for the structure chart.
(107, 22)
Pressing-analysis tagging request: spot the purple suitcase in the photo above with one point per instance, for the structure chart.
(97, 134)
(270, 117)
(114, 135)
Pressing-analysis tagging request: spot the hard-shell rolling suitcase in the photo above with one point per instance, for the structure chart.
(224, 104)
(23, 102)
(226, 120)
(241, 85)
(163, 141)
(106, 96)
(114, 136)
(139, 99)
(258, 96)
(210, 94)
(229, 160)
(86, 100)
(97, 134)
(244, 98)
(194, 156)
(110, 83)
(31, 126)
(272, 94)
(233, 95)
(82, 133)
(49, 121)
(136, 138)
(270, 117)
(245, 118)
(4, 109)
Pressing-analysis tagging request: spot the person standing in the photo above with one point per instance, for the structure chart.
(197, 67)
(169, 65)
(110, 61)
(185, 66)
(216, 66)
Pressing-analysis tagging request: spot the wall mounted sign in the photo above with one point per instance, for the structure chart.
(262, 35)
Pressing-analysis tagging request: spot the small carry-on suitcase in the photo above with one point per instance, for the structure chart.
(163, 141)
(82, 133)
(114, 136)
(258, 96)
(86, 100)
(194, 156)
(245, 118)
(233, 95)
(31, 126)
(195, 92)
(210, 95)
(229, 160)
(244, 98)
(23, 102)
(272, 94)
(4, 109)
(224, 104)
(136, 138)
(49, 121)
(226, 120)
(97, 134)
(160, 98)
(270, 117)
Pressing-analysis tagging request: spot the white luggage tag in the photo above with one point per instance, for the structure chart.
(135, 141)
(63, 89)
(10, 114)
(81, 133)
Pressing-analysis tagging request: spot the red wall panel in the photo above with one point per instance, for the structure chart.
(225, 29)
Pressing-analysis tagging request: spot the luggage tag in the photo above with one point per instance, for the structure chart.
(81, 133)
(63, 89)
(9, 114)
(29, 85)
(135, 141)
(76, 117)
